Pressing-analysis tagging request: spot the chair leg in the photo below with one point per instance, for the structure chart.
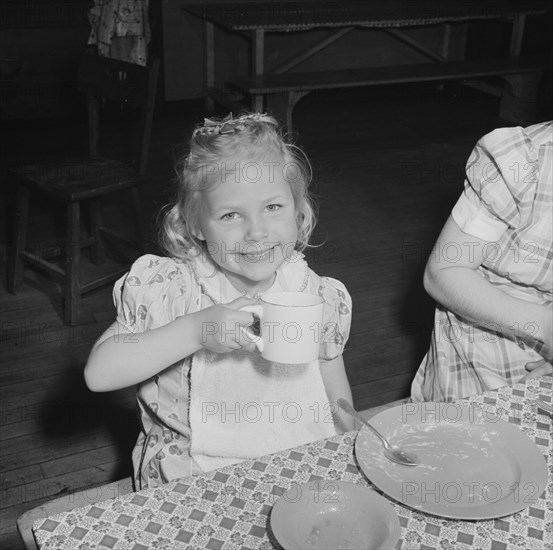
(98, 253)
(138, 220)
(72, 305)
(15, 267)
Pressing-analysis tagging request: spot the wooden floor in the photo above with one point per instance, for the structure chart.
(388, 166)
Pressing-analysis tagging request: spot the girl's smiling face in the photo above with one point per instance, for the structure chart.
(248, 220)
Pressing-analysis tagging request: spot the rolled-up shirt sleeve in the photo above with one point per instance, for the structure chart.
(474, 219)
(501, 176)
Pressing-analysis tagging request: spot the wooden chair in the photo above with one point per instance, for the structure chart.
(69, 502)
(88, 180)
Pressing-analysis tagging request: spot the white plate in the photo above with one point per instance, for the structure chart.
(472, 464)
(334, 515)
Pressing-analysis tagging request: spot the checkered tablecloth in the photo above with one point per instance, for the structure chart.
(230, 508)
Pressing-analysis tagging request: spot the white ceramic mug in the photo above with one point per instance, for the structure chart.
(290, 326)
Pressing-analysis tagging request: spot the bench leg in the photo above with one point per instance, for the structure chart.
(258, 64)
(138, 220)
(519, 98)
(209, 62)
(15, 265)
(281, 106)
(72, 292)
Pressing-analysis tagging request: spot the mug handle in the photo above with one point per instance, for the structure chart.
(258, 311)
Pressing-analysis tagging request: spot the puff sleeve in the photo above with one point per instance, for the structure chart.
(501, 177)
(153, 293)
(336, 317)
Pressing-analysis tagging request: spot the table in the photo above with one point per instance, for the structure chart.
(229, 508)
(259, 18)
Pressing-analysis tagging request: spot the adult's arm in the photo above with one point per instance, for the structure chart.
(452, 279)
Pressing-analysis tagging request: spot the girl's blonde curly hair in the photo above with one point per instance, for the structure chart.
(214, 144)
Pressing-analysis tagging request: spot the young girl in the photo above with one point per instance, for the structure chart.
(206, 396)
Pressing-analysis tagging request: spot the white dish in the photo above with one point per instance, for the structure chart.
(472, 464)
(334, 515)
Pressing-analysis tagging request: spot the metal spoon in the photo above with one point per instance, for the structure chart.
(392, 452)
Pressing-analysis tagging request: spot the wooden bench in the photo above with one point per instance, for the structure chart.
(284, 90)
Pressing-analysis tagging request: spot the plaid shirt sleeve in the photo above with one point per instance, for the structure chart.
(501, 173)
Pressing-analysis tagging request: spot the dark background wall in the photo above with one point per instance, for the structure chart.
(40, 43)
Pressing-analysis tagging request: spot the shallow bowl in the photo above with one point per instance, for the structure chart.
(334, 515)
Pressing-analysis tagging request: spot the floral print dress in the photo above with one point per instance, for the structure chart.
(155, 292)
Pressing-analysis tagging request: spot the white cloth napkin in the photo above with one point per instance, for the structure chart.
(243, 406)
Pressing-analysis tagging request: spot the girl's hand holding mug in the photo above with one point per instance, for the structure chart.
(221, 326)
(290, 327)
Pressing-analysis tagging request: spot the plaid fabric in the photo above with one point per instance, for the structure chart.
(229, 509)
(507, 201)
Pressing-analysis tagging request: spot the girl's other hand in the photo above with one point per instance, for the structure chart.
(545, 334)
(222, 327)
(542, 342)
